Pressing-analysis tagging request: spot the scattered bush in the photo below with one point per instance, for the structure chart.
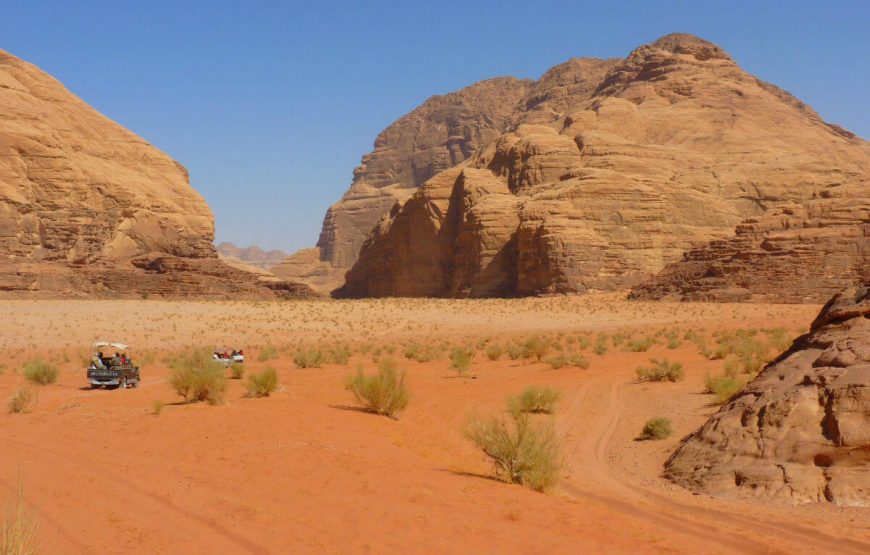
(723, 387)
(266, 353)
(656, 428)
(460, 359)
(639, 345)
(674, 341)
(262, 384)
(196, 376)
(578, 360)
(384, 393)
(338, 355)
(662, 370)
(534, 399)
(18, 529)
(515, 351)
(308, 358)
(601, 345)
(494, 352)
(523, 452)
(22, 399)
(237, 371)
(557, 361)
(536, 347)
(40, 372)
(421, 353)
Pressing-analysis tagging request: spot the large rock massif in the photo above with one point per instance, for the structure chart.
(441, 133)
(800, 432)
(87, 208)
(601, 175)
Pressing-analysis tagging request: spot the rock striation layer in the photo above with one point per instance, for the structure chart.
(799, 432)
(612, 171)
(88, 208)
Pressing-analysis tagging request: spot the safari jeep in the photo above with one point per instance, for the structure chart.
(112, 366)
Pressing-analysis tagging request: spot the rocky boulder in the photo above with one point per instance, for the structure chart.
(799, 432)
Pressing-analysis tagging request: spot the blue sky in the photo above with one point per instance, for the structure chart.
(271, 104)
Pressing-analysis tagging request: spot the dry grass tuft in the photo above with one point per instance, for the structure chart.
(523, 451)
(262, 384)
(384, 393)
(18, 529)
(22, 399)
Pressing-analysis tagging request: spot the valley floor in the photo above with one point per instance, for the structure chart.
(305, 471)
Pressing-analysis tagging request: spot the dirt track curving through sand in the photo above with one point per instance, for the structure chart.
(683, 515)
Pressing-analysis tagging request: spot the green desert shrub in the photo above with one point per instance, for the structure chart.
(601, 347)
(196, 376)
(723, 387)
(661, 370)
(339, 354)
(494, 352)
(262, 384)
(778, 339)
(523, 451)
(639, 345)
(18, 529)
(40, 372)
(237, 371)
(536, 347)
(578, 360)
(656, 428)
(308, 358)
(421, 353)
(267, 353)
(534, 399)
(21, 400)
(515, 351)
(460, 359)
(557, 361)
(673, 340)
(384, 393)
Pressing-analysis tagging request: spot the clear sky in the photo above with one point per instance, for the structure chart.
(271, 104)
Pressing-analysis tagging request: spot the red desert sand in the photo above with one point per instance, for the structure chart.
(306, 471)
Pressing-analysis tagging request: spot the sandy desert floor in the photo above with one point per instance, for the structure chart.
(305, 471)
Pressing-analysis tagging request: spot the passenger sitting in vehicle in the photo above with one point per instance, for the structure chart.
(116, 360)
(98, 361)
(123, 359)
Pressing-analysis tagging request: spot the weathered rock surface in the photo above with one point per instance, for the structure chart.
(89, 208)
(799, 432)
(251, 256)
(613, 169)
(441, 133)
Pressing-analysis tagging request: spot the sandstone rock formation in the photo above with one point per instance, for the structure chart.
(612, 170)
(89, 208)
(799, 432)
(442, 132)
(251, 256)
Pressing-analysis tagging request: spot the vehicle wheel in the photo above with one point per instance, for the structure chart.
(123, 384)
(135, 384)
(94, 386)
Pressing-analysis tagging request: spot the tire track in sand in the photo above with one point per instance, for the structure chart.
(681, 517)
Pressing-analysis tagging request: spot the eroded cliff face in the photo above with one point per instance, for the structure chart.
(441, 133)
(799, 432)
(89, 208)
(612, 170)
